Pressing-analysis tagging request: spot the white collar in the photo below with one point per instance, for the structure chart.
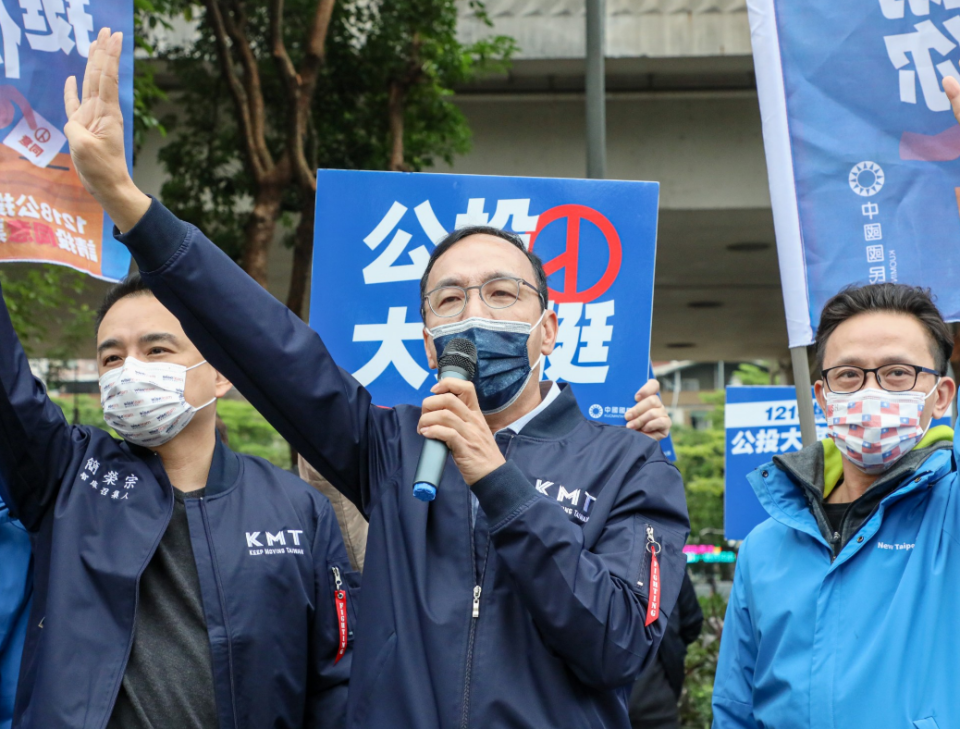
(517, 425)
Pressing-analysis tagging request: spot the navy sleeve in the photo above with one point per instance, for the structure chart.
(328, 677)
(270, 355)
(35, 439)
(590, 604)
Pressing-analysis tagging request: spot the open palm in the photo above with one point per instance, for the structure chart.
(95, 124)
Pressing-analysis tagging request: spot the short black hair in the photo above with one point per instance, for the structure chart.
(888, 297)
(512, 238)
(132, 285)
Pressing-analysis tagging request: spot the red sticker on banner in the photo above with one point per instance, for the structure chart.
(653, 606)
(342, 622)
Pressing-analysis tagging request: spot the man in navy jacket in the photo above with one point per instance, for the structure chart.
(177, 584)
(16, 589)
(534, 597)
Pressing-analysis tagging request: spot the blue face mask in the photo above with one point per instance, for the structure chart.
(503, 365)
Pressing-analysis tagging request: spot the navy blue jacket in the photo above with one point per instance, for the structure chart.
(16, 589)
(265, 544)
(559, 551)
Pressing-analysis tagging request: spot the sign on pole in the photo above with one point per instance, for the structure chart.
(862, 148)
(761, 422)
(45, 214)
(374, 235)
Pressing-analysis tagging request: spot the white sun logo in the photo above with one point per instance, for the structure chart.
(866, 179)
(595, 411)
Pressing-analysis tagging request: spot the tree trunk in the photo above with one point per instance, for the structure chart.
(302, 257)
(396, 101)
(259, 231)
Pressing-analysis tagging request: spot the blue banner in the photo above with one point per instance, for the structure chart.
(45, 214)
(863, 151)
(374, 235)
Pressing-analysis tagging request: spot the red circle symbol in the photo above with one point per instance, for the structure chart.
(42, 135)
(569, 260)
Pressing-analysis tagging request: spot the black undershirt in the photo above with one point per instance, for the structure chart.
(835, 514)
(168, 682)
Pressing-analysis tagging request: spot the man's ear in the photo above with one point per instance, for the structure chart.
(550, 326)
(222, 385)
(430, 348)
(945, 393)
(818, 393)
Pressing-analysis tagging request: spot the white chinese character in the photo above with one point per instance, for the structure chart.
(130, 482)
(83, 476)
(791, 441)
(893, 9)
(11, 44)
(28, 206)
(92, 465)
(870, 209)
(94, 485)
(8, 207)
(768, 441)
(919, 44)
(743, 443)
(874, 254)
(873, 231)
(393, 351)
(124, 497)
(570, 335)
(878, 274)
(382, 269)
(65, 240)
(86, 248)
(111, 478)
(515, 212)
(37, 14)
(104, 492)
(82, 23)
(115, 495)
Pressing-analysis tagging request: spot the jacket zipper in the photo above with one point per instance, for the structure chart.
(223, 607)
(136, 606)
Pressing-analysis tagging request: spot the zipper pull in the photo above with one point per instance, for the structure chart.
(476, 601)
(650, 535)
(336, 577)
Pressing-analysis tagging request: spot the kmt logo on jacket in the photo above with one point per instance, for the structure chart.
(260, 543)
(569, 500)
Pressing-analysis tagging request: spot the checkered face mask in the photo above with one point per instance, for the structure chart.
(874, 428)
(144, 403)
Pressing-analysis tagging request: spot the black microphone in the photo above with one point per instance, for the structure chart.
(459, 360)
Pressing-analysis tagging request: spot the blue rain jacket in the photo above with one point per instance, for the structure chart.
(265, 545)
(866, 640)
(16, 588)
(558, 559)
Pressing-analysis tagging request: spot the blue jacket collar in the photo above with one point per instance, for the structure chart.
(224, 467)
(558, 419)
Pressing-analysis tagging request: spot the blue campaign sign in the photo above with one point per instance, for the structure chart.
(761, 422)
(45, 213)
(375, 232)
(863, 152)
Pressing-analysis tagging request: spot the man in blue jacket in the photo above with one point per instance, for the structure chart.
(178, 584)
(16, 588)
(537, 585)
(843, 602)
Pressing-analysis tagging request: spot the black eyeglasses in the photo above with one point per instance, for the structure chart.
(891, 377)
(497, 293)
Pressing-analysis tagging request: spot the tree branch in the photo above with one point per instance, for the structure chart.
(237, 90)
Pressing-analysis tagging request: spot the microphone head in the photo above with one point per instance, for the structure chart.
(461, 353)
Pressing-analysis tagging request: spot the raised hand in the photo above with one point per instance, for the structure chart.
(649, 416)
(95, 132)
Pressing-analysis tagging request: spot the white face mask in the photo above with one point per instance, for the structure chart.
(144, 402)
(874, 428)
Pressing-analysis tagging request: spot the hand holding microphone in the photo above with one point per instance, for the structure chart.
(458, 361)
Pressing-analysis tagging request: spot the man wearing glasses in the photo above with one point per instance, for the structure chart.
(843, 602)
(538, 584)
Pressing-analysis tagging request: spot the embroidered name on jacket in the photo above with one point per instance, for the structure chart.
(576, 502)
(284, 541)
